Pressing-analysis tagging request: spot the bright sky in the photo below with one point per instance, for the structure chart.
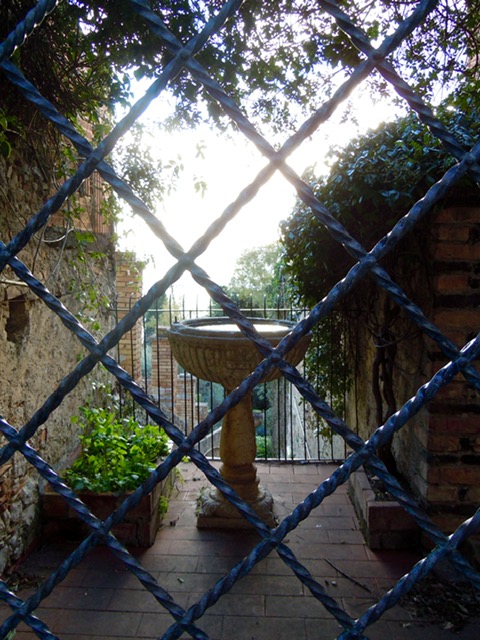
(227, 166)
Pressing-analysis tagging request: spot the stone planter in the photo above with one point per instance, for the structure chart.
(384, 523)
(138, 529)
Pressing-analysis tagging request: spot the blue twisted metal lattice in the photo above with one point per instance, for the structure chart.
(183, 57)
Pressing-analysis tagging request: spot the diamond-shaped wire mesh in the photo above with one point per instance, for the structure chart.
(183, 58)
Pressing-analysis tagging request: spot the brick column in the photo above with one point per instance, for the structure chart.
(129, 290)
(166, 384)
(438, 451)
(451, 442)
(164, 377)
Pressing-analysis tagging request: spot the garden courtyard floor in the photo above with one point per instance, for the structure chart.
(101, 599)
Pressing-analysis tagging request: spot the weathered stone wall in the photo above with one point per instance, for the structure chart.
(36, 350)
(438, 452)
(389, 361)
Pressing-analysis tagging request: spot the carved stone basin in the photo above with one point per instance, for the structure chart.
(214, 349)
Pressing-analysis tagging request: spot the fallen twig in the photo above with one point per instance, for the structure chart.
(345, 575)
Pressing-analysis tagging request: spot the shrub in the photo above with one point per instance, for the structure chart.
(373, 182)
(264, 447)
(117, 454)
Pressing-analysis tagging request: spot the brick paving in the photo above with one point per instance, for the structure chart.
(101, 600)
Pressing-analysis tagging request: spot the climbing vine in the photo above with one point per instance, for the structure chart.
(372, 183)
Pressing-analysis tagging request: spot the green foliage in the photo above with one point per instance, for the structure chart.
(85, 286)
(264, 447)
(257, 281)
(117, 455)
(5, 146)
(148, 176)
(373, 181)
(326, 366)
(163, 505)
(78, 55)
(84, 54)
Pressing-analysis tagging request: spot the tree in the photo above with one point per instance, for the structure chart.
(138, 165)
(275, 57)
(78, 57)
(257, 281)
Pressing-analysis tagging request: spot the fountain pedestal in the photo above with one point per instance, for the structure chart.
(237, 452)
(214, 349)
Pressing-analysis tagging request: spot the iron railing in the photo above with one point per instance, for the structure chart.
(181, 58)
(287, 427)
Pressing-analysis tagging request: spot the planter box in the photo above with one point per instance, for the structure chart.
(384, 523)
(138, 529)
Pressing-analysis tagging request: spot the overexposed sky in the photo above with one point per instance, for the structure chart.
(227, 165)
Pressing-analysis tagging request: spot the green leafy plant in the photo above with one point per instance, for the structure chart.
(117, 454)
(372, 183)
(163, 505)
(5, 146)
(264, 447)
(257, 282)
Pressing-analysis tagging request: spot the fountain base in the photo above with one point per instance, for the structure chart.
(215, 349)
(214, 512)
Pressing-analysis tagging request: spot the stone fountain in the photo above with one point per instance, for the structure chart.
(214, 349)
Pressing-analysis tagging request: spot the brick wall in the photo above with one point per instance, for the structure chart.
(87, 209)
(176, 391)
(163, 383)
(88, 214)
(129, 290)
(451, 444)
(438, 452)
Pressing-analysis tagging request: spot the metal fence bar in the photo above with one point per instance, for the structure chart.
(188, 437)
(295, 437)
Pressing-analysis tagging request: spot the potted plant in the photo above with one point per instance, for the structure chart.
(117, 455)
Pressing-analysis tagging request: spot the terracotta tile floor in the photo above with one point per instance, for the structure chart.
(101, 599)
